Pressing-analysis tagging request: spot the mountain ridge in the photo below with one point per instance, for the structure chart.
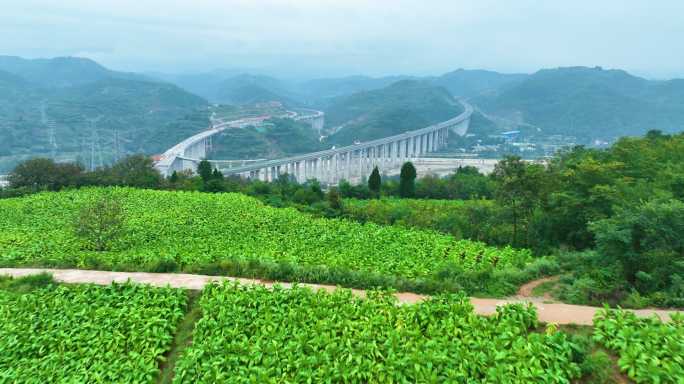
(591, 103)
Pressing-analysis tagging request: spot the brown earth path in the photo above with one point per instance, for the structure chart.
(526, 289)
(549, 313)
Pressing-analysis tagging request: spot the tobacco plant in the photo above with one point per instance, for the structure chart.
(650, 351)
(87, 334)
(250, 334)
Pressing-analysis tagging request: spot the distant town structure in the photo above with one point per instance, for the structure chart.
(510, 136)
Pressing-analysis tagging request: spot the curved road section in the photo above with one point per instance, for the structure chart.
(329, 166)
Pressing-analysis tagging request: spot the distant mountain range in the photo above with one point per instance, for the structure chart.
(62, 71)
(589, 103)
(74, 108)
(228, 86)
(472, 83)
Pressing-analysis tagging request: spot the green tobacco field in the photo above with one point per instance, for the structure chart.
(250, 334)
(255, 335)
(197, 232)
(85, 333)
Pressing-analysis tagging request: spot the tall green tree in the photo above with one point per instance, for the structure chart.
(468, 183)
(583, 190)
(407, 180)
(217, 175)
(174, 177)
(375, 182)
(646, 240)
(204, 170)
(41, 173)
(521, 187)
(135, 171)
(100, 223)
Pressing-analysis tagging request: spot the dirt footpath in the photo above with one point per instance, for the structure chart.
(548, 312)
(526, 289)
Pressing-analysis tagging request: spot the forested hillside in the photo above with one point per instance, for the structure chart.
(322, 91)
(472, 83)
(590, 103)
(87, 113)
(277, 138)
(402, 106)
(248, 89)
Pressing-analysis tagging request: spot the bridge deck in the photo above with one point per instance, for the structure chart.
(355, 147)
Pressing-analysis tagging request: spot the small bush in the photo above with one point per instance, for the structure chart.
(165, 265)
(597, 368)
(26, 283)
(636, 300)
(100, 223)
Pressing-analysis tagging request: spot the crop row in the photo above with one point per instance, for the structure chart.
(194, 229)
(85, 333)
(650, 351)
(250, 334)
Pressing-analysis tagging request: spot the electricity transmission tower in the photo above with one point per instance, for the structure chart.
(95, 143)
(51, 126)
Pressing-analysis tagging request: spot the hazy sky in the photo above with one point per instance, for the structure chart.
(333, 37)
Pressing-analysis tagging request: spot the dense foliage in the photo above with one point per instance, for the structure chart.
(622, 207)
(650, 351)
(252, 334)
(86, 333)
(455, 217)
(627, 203)
(41, 174)
(195, 229)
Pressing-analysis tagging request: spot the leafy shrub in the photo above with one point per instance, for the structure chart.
(100, 223)
(26, 283)
(635, 300)
(597, 368)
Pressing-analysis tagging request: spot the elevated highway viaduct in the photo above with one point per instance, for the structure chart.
(328, 166)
